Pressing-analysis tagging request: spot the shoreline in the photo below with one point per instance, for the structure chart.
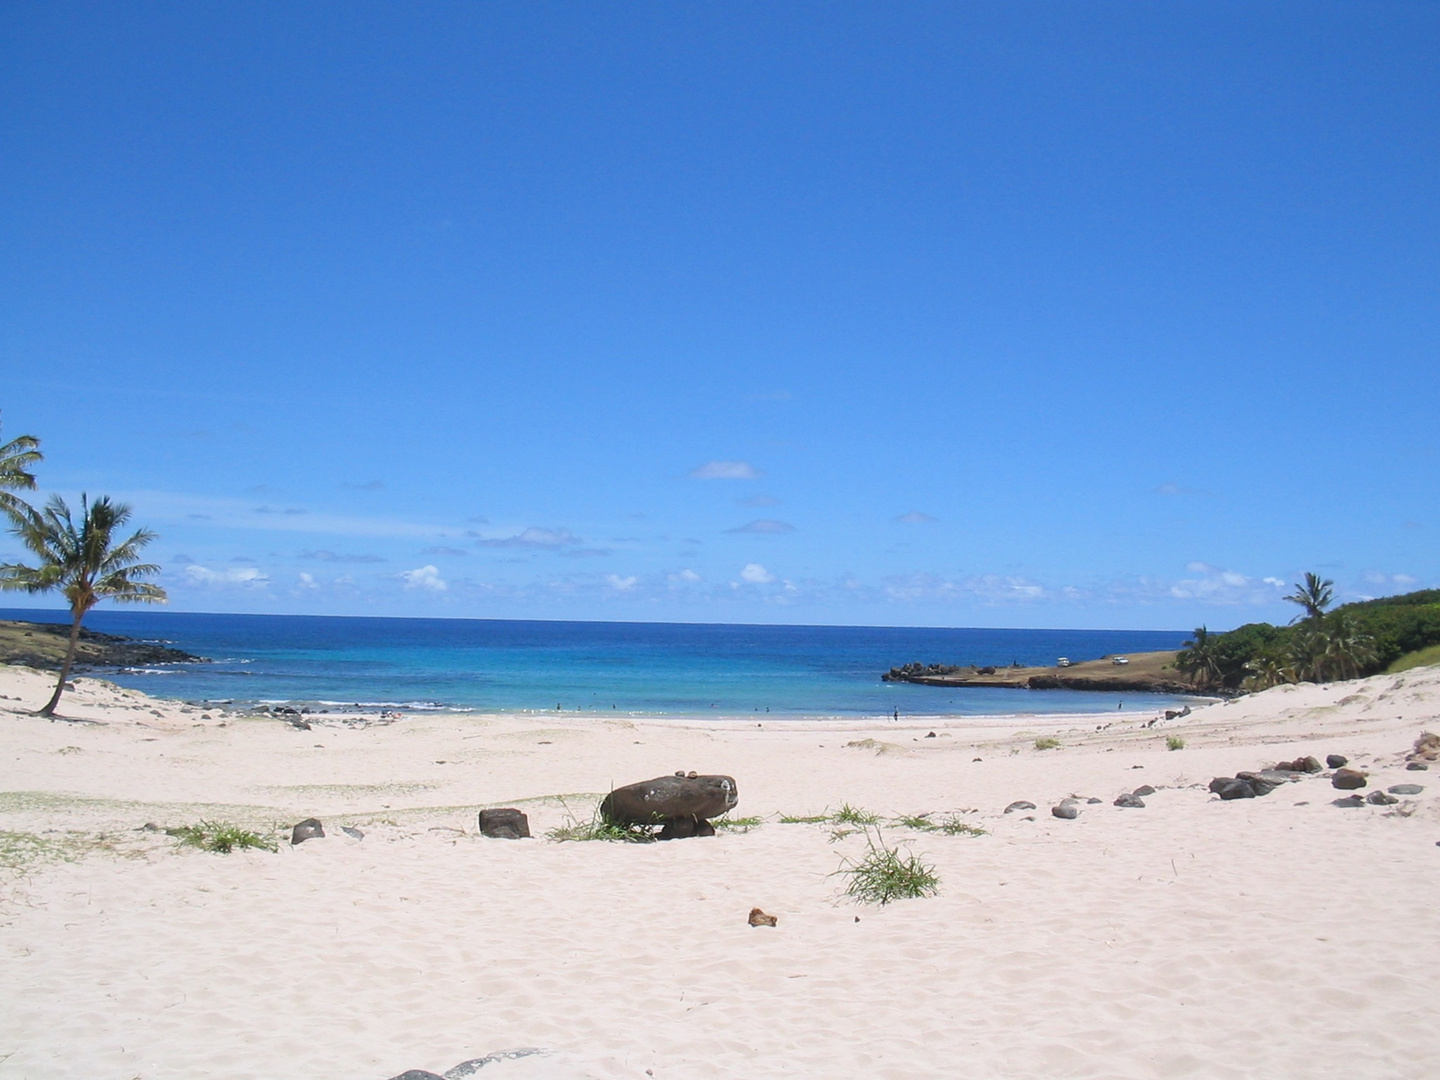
(1112, 945)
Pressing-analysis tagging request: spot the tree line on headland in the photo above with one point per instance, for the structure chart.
(83, 559)
(1361, 638)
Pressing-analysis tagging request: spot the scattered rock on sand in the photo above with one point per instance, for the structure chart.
(1230, 787)
(352, 832)
(1348, 779)
(1301, 764)
(505, 824)
(1258, 783)
(1130, 800)
(1405, 789)
(1067, 810)
(759, 918)
(1336, 761)
(1348, 802)
(309, 829)
(1379, 798)
(1020, 804)
(1417, 766)
(1143, 790)
(1427, 747)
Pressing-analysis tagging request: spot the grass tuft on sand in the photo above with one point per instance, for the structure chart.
(884, 875)
(220, 837)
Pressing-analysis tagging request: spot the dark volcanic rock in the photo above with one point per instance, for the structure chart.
(1020, 804)
(1417, 766)
(681, 828)
(352, 832)
(1301, 764)
(507, 824)
(1336, 761)
(309, 829)
(1066, 810)
(1094, 802)
(1379, 798)
(1230, 787)
(1405, 789)
(1349, 802)
(1130, 800)
(1257, 783)
(1348, 779)
(657, 801)
(1143, 790)
(417, 1074)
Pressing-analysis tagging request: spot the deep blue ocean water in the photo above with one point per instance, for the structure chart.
(663, 669)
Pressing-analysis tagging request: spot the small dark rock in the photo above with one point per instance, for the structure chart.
(309, 829)
(1257, 783)
(1417, 766)
(1348, 779)
(1231, 787)
(1094, 802)
(682, 828)
(507, 824)
(352, 832)
(1379, 798)
(1301, 764)
(1143, 789)
(1348, 802)
(417, 1074)
(1067, 811)
(1130, 800)
(1020, 804)
(1336, 761)
(1405, 789)
(930, 735)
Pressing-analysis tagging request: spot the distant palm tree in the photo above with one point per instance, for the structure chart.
(16, 457)
(1314, 596)
(85, 564)
(1200, 659)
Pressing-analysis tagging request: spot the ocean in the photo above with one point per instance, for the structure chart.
(623, 669)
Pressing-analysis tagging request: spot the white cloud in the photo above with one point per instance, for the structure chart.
(756, 574)
(687, 576)
(424, 577)
(916, 517)
(244, 577)
(307, 581)
(621, 584)
(764, 526)
(725, 470)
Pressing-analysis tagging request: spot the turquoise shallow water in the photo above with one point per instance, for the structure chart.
(661, 669)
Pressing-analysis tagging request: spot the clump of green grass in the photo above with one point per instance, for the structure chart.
(600, 827)
(1174, 742)
(1047, 742)
(803, 819)
(737, 824)
(950, 825)
(884, 874)
(220, 837)
(853, 815)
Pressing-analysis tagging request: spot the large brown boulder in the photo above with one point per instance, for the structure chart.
(667, 798)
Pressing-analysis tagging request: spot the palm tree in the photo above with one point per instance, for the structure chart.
(16, 457)
(1314, 596)
(1200, 659)
(85, 564)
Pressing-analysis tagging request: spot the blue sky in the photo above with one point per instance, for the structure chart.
(1011, 314)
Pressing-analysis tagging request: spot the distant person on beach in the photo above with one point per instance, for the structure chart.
(897, 714)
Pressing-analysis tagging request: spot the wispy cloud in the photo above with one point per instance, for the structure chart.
(338, 557)
(533, 537)
(916, 517)
(755, 574)
(621, 584)
(244, 577)
(449, 552)
(586, 553)
(292, 511)
(426, 578)
(725, 470)
(764, 526)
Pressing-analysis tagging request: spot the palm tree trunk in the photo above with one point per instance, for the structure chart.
(49, 709)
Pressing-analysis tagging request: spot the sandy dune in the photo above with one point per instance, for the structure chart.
(1275, 937)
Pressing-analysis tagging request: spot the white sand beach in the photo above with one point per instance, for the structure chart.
(1271, 937)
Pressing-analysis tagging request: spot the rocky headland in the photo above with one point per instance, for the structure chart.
(1152, 672)
(42, 645)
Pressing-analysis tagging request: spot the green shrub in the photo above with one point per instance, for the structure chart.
(884, 874)
(220, 837)
(601, 828)
(950, 825)
(1047, 743)
(1418, 658)
(1174, 742)
(803, 819)
(737, 824)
